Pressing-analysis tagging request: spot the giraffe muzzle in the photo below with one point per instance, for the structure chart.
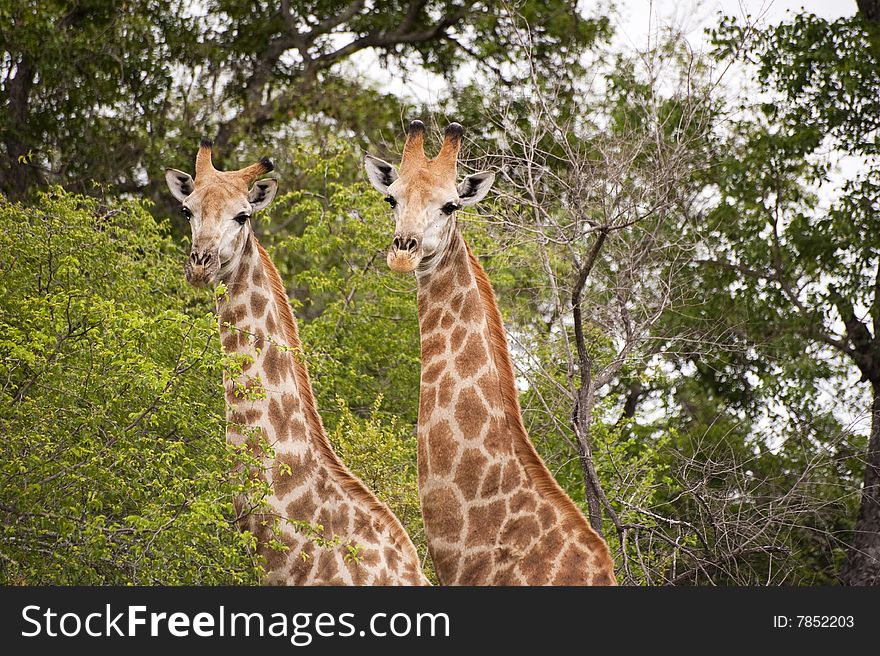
(201, 268)
(405, 253)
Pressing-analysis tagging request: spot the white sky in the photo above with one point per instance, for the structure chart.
(637, 18)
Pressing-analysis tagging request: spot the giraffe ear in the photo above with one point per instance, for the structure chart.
(380, 173)
(180, 183)
(474, 188)
(262, 193)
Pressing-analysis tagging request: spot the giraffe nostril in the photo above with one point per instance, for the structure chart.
(200, 259)
(408, 244)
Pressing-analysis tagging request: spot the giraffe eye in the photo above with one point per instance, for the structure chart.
(449, 208)
(391, 200)
(242, 218)
(186, 212)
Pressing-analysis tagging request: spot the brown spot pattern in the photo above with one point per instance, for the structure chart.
(442, 447)
(470, 413)
(443, 514)
(258, 303)
(484, 523)
(472, 357)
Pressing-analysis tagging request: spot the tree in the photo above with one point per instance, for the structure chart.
(284, 51)
(113, 91)
(796, 241)
(690, 287)
(113, 466)
(608, 201)
(86, 90)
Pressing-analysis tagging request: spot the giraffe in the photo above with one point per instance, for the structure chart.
(493, 513)
(363, 542)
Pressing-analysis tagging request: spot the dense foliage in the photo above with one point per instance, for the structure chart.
(110, 90)
(113, 466)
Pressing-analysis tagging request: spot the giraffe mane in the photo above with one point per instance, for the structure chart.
(532, 462)
(350, 483)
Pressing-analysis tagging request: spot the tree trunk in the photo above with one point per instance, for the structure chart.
(582, 415)
(862, 563)
(593, 503)
(18, 97)
(581, 420)
(869, 9)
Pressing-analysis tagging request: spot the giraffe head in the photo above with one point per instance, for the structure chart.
(218, 206)
(424, 196)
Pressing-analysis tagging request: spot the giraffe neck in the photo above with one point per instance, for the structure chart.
(493, 512)
(271, 400)
(259, 329)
